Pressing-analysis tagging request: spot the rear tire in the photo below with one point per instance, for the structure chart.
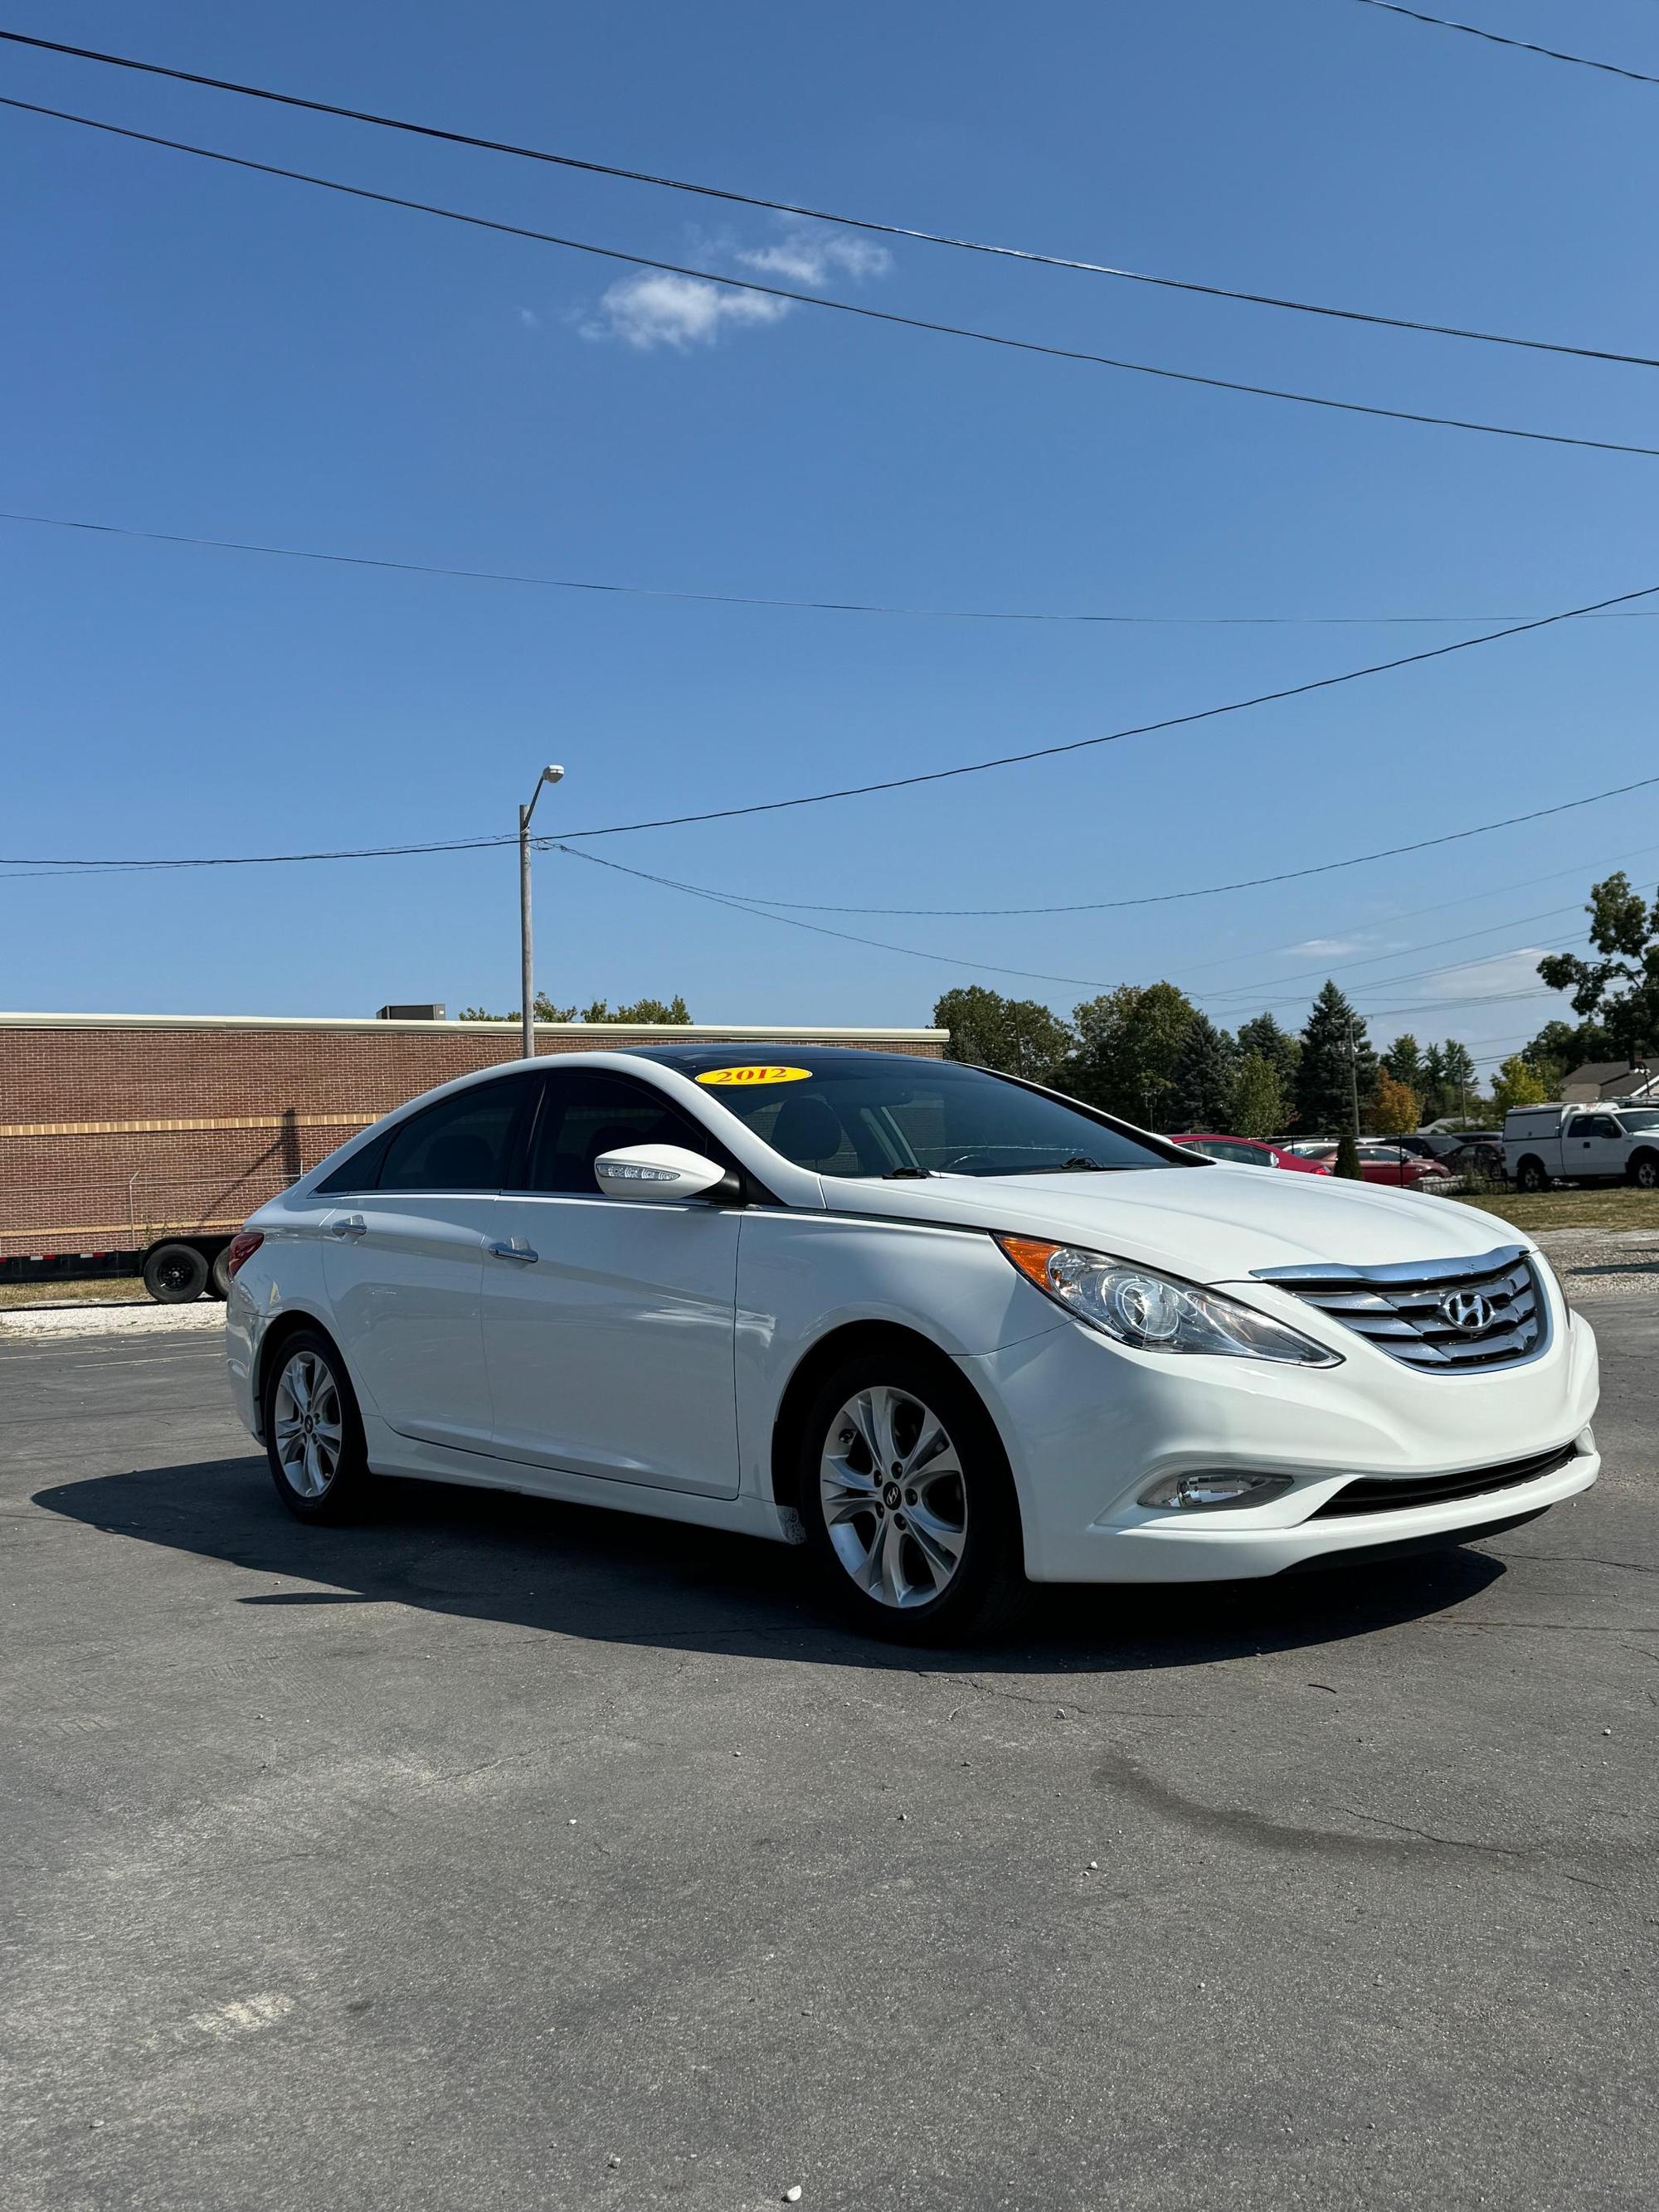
(175, 1274)
(909, 1509)
(313, 1431)
(1530, 1176)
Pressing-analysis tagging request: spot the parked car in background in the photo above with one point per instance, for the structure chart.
(1582, 1144)
(1479, 1156)
(1441, 1144)
(1391, 1164)
(1250, 1153)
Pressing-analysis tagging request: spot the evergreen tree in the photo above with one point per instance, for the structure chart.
(1020, 1036)
(1260, 1107)
(1324, 1081)
(1404, 1062)
(1264, 1037)
(1202, 1079)
(1459, 1083)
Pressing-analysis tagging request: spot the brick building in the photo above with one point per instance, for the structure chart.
(115, 1126)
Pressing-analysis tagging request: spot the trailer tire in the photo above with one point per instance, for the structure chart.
(1530, 1176)
(218, 1281)
(175, 1274)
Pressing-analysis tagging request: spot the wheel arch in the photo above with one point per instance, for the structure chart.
(820, 1358)
(292, 1322)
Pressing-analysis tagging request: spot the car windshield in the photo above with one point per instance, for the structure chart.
(1643, 1120)
(848, 1113)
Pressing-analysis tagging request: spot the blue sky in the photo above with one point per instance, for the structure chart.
(197, 351)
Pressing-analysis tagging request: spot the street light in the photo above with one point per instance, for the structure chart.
(526, 956)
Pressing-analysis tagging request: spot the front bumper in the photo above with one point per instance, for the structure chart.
(1088, 1426)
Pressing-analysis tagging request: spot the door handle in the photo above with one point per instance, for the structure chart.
(352, 1225)
(515, 1249)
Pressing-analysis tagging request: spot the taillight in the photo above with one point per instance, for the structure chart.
(242, 1247)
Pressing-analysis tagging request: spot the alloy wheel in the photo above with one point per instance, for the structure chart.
(894, 1501)
(308, 1423)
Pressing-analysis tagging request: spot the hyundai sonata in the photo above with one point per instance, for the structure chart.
(953, 1332)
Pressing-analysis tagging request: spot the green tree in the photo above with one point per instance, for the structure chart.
(1202, 1078)
(1332, 1035)
(1127, 1042)
(642, 1010)
(1259, 1108)
(1563, 1046)
(1020, 1036)
(1404, 1062)
(1459, 1083)
(1396, 1109)
(1622, 989)
(1346, 1162)
(1517, 1082)
(1265, 1038)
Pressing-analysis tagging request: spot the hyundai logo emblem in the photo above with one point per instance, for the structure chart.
(1468, 1311)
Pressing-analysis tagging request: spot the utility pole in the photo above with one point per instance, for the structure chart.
(1353, 1078)
(526, 954)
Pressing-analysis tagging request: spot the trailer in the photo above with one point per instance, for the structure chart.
(177, 1248)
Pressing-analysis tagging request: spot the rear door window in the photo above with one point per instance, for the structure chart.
(463, 1143)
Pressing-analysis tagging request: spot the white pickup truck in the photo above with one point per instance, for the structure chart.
(1543, 1145)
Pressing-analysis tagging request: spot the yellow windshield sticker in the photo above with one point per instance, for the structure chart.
(749, 1077)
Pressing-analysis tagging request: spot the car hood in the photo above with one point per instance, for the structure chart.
(1213, 1224)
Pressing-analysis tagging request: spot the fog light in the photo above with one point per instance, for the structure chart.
(1212, 1492)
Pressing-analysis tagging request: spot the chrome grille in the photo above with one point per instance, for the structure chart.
(1446, 1316)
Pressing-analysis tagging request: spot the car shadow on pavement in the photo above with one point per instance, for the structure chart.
(618, 1577)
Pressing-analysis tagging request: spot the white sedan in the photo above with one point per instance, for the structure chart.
(954, 1332)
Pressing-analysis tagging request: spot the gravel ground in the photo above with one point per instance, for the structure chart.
(496, 1853)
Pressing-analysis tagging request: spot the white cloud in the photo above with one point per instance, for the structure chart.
(657, 308)
(530, 318)
(809, 254)
(1504, 971)
(1326, 948)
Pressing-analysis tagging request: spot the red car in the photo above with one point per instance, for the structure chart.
(1251, 1152)
(1401, 1170)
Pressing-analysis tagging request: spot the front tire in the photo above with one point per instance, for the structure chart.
(313, 1431)
(909, 1509)
(1643, 1171)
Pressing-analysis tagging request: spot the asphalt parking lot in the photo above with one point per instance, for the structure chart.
(501, 1854)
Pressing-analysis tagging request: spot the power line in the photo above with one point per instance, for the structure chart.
(756, 913)
(817, 929)
(836, 307)
(809, 606)
(1442, 906)
(1500, 39)
(821, 214)
(34, 864)
(1212, 891)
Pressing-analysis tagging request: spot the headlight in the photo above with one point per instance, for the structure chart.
(1151, 1312)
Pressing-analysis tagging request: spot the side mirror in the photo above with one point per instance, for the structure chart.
(660, 1173)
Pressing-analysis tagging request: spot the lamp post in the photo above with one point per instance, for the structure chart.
(527, 955)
